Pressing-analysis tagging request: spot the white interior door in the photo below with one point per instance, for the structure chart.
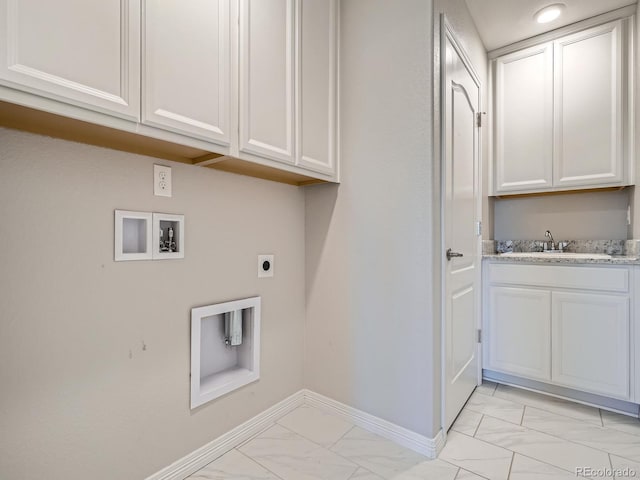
(461, 211)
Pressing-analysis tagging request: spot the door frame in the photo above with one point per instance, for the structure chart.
(448, 33)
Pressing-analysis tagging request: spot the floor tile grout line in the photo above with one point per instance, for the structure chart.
(329, 449)
(546, 463)
(262, 430)
(451, 464)
(555, 436)
(492, 416)
(551, 397)
(478, 426)
(341, 437)
(563, 439)
(538, 407)
(356, 471)
(315, 443)
(524, 409)
(601, 419)
(577, 442)
(484, 441)
(513, 455)
(256, 461)
(609, 427)
(470, 471)
(357, 465)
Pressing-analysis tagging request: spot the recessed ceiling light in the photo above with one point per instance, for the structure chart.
(549, 13)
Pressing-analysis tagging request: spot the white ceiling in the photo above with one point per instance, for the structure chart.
(501, 22)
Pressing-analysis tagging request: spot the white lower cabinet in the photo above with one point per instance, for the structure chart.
(575, 333)
(590, 342)
(519, 332)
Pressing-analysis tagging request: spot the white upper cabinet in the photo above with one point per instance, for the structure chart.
(186, 67)
(248, 86)
(267, 36)
(588, 107)
(317, 84)
(524, 122)
(288, 82)
(563, 112)
(86, 53)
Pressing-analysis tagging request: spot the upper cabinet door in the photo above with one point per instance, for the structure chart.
(589, 107)
(316, 99)
(186, 70)
(83, 52)
(524, 120)
(267, 79)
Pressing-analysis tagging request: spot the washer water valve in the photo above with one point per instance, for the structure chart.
(167, 245)
(233, 328)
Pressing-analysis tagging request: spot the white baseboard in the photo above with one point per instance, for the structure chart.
(191, 463)
(194, 461)
(429, 447)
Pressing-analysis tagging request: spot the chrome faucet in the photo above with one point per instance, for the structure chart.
(548, 235)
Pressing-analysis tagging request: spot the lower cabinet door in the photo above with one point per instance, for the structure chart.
(590, 344)
(519, 324)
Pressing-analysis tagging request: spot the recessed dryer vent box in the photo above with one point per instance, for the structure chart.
(168, 236)
(132, 235)
(224, 354)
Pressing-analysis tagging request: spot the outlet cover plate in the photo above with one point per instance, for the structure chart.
(265, 261)
(161, 181)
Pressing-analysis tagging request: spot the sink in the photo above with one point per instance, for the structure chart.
(591, 256)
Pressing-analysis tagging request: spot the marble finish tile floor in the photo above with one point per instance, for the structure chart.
(503, 433)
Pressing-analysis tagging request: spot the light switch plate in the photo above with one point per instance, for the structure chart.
(161, 181)
(265, 266)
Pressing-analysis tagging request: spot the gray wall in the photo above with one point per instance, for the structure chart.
(575, 216)
(369, 326)
(80, 397)
(634, 196)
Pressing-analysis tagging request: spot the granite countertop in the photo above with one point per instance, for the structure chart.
(549, 259)
(623, 252)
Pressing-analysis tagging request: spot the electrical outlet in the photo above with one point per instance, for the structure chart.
(161, 181)
(265, 266)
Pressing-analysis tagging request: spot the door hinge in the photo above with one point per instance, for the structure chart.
(479, 118)
(479, 336)
(478, 228)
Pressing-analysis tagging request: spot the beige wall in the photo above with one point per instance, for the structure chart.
(373, 318)
(369, 340)
(576, 216)
(80, 397)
